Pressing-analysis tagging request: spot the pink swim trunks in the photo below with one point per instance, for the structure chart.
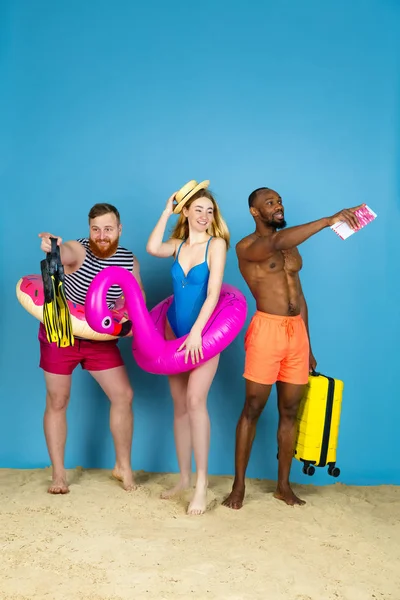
(92, 356)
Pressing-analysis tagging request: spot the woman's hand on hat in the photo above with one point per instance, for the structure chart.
(194, 346)
(169, 207)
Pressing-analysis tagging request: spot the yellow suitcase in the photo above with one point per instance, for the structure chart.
(318, 424)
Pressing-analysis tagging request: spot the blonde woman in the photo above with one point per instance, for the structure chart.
(198, 243)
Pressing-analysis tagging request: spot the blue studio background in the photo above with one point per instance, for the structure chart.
(124, 102)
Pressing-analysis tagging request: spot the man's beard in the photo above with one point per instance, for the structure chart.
(103, 252)
(279, 224)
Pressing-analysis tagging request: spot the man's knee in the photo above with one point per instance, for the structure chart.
(288, 412)
(254, 406)
(289, 407)
(123, 398)
(57, 400)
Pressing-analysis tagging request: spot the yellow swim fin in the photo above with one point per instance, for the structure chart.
(56, 315)
(66, 337)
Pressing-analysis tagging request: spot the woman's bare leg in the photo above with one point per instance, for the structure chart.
(200, 380)
(183, 441)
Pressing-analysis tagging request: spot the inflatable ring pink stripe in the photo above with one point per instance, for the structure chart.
(152, 352)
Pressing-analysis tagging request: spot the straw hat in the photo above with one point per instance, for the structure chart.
(187, 191)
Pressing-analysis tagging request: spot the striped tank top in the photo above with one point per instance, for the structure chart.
(77, 283)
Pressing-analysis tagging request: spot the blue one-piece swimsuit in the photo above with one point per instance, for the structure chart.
(190, 292)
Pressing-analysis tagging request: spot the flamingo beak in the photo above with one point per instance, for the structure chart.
(122, 329)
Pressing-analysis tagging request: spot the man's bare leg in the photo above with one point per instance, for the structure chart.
(256, 399)
(183, 439)
(115, 384)
(58, 388)
(289, 397)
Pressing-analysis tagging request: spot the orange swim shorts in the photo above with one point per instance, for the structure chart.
(277, 349)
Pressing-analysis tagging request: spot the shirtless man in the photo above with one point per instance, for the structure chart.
(82, 260)
(277, 341)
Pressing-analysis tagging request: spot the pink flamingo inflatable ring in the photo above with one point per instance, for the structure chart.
(152, 352)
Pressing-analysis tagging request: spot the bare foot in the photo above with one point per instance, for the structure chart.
(183, 484)
(235, 498)
(199, 501)
(59, 486)
(126, 478)
(287, 495)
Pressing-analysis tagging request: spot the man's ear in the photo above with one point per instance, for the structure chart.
(253, 212)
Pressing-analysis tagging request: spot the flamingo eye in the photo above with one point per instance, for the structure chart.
(106, 322)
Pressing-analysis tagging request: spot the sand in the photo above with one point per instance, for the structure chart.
(102, 543)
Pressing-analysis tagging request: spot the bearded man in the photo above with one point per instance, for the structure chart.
(82, 260)
(277, 343)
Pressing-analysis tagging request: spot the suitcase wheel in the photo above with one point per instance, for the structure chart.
(308, 469)
(333, 470)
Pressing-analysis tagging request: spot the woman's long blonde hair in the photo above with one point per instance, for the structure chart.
(218, 227)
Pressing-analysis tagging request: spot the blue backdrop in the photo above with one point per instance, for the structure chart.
(123, 103)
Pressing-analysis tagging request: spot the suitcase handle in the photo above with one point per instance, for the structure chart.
(318, 374)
